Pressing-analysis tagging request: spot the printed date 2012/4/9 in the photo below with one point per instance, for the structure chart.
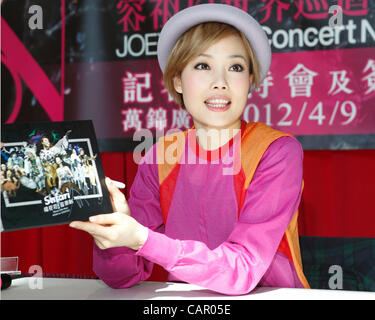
(346, 110)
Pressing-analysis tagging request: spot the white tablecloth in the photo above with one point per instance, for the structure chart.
(79, 289)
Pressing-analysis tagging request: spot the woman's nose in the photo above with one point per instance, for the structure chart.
(219, 82)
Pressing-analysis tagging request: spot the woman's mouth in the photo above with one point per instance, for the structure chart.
(218, 105)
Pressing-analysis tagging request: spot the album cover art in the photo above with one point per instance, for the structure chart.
(51, 174)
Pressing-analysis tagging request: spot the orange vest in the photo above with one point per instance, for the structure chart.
(255, 140)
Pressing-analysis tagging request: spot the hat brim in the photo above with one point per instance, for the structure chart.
(190, 17)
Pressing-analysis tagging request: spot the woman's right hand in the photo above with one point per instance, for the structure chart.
(114, 229)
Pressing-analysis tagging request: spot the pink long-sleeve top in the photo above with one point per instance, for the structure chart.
(205, 242)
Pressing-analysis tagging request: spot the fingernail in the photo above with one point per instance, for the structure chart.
(73, 225)
(92, 219)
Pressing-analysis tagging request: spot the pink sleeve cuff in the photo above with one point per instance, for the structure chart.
(112, 252)
(160, 249)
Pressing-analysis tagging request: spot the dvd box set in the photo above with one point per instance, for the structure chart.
(51, 174)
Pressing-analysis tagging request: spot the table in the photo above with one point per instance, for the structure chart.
(91, 289)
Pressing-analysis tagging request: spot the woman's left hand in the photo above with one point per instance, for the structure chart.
(114, 230)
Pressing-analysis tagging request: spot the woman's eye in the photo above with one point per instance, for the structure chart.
(202, 66)
(237, 68)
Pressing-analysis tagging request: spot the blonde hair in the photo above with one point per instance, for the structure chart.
(195, 41)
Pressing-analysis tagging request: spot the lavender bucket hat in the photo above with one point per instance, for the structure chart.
(190, 17)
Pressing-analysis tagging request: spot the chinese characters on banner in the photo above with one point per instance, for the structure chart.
(307, 98)
(134, 88)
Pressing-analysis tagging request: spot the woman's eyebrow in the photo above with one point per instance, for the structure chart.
(238, 56)
(230, 56)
